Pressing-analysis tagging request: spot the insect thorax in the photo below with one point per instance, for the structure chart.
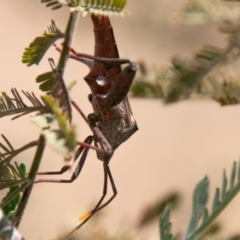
(116, 123)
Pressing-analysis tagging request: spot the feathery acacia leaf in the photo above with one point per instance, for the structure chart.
(208, 75)
(11, 176)
(221, 200)
(212, 73)
(34, 53)
(56, 4)
(47, 81)
(229, 93)
(189, 74)
(86, 7)
(15, 105)
(151, 82)
(53, 83)
(7, 171)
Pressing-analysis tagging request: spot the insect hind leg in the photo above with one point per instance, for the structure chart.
(107, 175)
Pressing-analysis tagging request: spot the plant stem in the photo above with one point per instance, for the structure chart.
(69, 33)
(31, 176)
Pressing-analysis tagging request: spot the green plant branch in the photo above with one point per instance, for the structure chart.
(31, 177)
(69, 33)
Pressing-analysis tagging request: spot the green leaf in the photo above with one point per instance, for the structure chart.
(142, 88)
(216, 200)
(229, 93)
(15, 104)
(224, 185)
(47, 81)
(200, 198)
(97, 7)
(36, 50)
(54, 84)
(55, 4)
(23, 169)
(12, 206)
(165, 225)
(196, 229)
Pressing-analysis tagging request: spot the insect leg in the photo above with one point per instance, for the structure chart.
(110, 62)
(82, 150)
(121, 84)
(89, 63)
(80, 111)
(120, 87)
(106, 147)
(107, 174)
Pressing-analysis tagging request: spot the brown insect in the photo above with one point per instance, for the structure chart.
(111, 122)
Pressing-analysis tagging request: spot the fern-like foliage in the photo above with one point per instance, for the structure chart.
(63, 138)
(36, 50)
(16, 105)
(53, 83)
(86, 7)
(46, 81)
(201, 217)
(10, 208)
(7, 171)
(151, 82)
(190, 74)
(207, 75)
(11, 176)
(228, 93)
(56, 4)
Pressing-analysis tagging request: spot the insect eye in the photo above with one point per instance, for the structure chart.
(101, 80)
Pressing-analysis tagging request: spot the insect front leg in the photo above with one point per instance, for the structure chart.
(121, 84)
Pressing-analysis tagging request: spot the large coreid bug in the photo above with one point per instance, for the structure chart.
(112, 122)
